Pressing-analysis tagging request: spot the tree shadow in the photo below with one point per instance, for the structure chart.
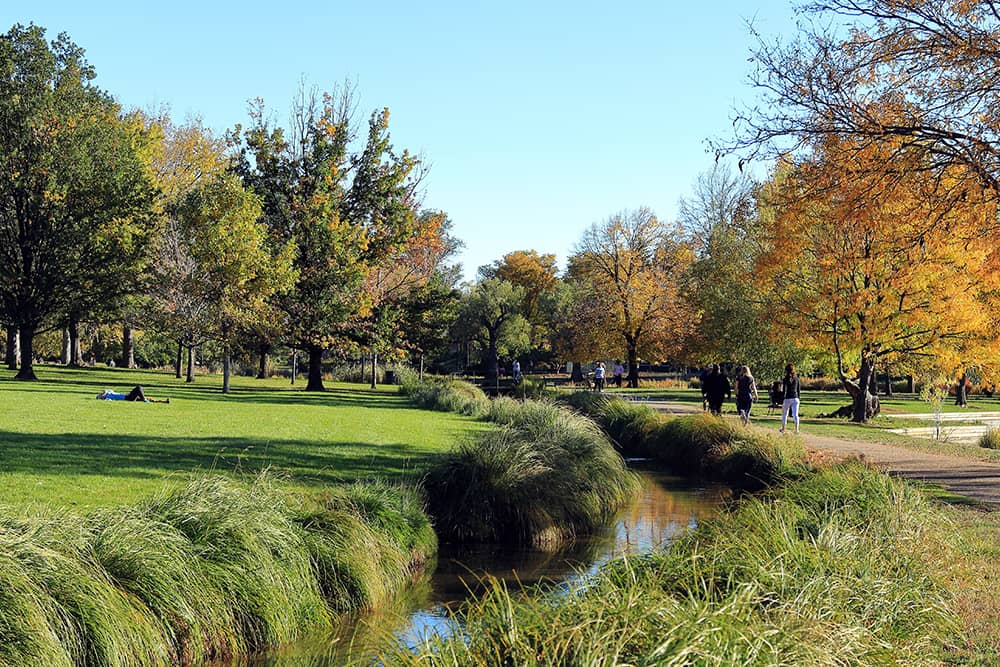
(130, 456)
(86, 383)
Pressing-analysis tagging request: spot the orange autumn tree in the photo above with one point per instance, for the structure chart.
(876, 263)
(636, 264)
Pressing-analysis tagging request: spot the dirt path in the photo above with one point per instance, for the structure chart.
(973, 479)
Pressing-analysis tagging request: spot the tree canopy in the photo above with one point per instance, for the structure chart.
(75, 189)
(635, 266)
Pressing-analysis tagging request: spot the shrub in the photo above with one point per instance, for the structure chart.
(990, 439)
(545, 476)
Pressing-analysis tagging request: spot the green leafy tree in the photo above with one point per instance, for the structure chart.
(343, 212)
(721, 221)
(75, 192)
(397, 286)
(573, 320)
(490, 314)
(228, 271)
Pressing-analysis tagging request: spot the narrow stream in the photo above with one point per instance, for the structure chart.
(666, 506)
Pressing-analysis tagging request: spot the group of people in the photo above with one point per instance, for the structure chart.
(600, 375)
(715, 388)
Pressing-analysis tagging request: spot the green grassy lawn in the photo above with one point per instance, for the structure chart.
(61, 447)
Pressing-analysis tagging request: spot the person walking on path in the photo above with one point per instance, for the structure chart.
(599, 376)
(790, 402)
(619, 372)
(746, 394)
(717, 389)
(702, 379)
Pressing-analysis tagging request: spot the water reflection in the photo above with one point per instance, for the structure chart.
(666, 506)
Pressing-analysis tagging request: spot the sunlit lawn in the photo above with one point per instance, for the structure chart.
(60, 446)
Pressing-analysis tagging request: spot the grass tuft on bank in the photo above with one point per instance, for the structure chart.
(214, 569)
(694, 445)
(830, 569)
(546, 475)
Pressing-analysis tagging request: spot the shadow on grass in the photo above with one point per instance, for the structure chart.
(151, 457)
(88, 384)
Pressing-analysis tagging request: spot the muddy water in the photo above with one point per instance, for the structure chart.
(666, 506)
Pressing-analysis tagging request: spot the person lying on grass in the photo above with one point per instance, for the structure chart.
(135, 395)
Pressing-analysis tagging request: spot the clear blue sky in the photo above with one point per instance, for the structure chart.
(537, 118)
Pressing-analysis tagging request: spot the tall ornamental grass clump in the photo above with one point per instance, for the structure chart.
(828, 570)
(711, 447)
(444, 394)
(699, 445)
(546, 475)
(211, 570)
(990, 439)
(627, 423)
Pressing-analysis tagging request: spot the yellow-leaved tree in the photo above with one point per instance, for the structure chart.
(636, 264)
(879, 263)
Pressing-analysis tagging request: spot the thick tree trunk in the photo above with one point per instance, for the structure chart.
(179, 362)
(262, 370)
(128, 347)
(190, 364)
(632, 353)
(226, 360)
(65, 355)
(75, 353)
(865, 404)
(576, 373)
(13, 358)
(492, 370)
(27, 370)
(961, 397)
(315, 368)
(374, 370)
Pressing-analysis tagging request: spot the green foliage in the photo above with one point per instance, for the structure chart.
(342, 212)
(490, 314)
(786, 579)
(75, 194)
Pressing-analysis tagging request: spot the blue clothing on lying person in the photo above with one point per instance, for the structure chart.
(109, 395)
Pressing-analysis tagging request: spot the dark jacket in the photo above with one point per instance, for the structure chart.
(790, 386)
(717, 386)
